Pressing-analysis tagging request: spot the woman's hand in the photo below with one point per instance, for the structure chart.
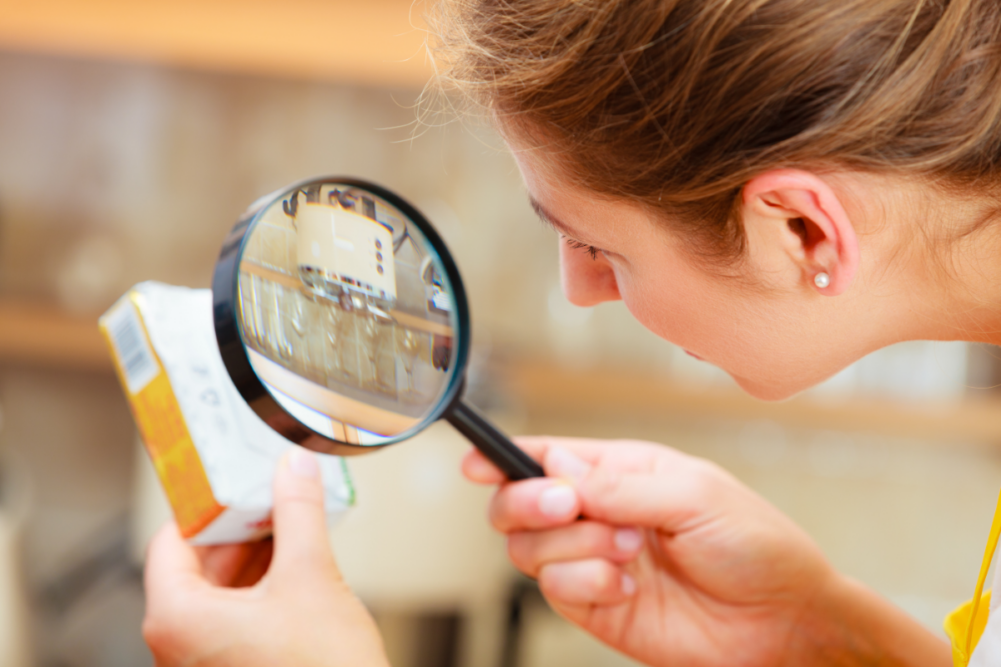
(238, 605)
(674, 562)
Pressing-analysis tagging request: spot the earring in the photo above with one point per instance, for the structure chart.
(821, 280)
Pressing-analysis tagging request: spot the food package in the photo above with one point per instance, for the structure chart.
(214, 456)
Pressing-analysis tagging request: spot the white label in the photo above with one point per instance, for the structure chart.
(131, 347)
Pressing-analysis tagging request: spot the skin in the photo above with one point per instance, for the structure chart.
(677, 563)
(664, 557)
(767, 324)
(257, 604)
(721, 573)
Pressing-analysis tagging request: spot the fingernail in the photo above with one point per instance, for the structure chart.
(562, 462)
(628, 584)
(303, 462)
(557, 501)
(628, 540)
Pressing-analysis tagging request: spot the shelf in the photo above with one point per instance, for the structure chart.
(545, 388)
(368, 42)
(39, 336)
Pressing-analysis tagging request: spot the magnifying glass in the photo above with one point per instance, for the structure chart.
(343, 323)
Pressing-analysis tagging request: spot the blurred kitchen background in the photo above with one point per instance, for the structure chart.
(132, 135)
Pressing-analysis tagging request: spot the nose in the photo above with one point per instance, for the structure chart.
(586, 281)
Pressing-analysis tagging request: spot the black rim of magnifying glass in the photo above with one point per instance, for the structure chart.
(225, 309)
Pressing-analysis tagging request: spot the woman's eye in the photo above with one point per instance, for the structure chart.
(577, 245)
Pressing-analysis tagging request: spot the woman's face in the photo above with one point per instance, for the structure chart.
(770, 329)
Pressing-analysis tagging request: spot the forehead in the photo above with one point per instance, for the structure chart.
(583, 214)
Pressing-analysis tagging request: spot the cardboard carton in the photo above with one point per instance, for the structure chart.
(214, 456)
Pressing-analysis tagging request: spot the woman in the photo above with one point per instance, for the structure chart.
(778, 186)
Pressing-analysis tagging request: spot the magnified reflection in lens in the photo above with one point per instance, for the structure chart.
(346, 313)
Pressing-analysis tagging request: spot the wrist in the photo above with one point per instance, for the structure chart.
(845, 623)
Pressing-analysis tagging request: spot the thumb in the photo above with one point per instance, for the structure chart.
(300, 525)
(668, 493)
(171, 566)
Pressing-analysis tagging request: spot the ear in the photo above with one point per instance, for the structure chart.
(815, 233)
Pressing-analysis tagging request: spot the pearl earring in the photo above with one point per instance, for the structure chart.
(821, 280)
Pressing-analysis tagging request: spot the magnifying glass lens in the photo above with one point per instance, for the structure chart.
(347, 313)
(343, 323)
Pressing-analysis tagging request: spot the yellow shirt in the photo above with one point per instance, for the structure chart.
(975, 631)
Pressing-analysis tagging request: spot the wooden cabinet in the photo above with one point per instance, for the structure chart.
(47, 337)
(368, 42)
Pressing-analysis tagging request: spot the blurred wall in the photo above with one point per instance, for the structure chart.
(113, 173)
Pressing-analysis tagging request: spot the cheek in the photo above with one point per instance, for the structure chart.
(680, 310)
(745, 335)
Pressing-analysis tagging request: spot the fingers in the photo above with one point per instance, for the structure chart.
(534, 504)
(171, 565)
(256, 565)
(236, 565)
(671, 498)
(621, 483)
(300, 525)
(477, 468)
(594, 581)
(542, 503)
(173, 577)
(582, 540)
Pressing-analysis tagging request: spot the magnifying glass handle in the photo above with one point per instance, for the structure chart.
(496, 446)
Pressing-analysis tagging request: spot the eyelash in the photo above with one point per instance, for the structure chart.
(577, 245)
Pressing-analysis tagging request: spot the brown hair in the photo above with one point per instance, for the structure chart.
(676, 104)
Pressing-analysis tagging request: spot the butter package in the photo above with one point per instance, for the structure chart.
(214, 456)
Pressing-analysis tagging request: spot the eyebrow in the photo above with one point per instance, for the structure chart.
(549, 219)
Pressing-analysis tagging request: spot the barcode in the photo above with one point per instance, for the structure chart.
(139, 366)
